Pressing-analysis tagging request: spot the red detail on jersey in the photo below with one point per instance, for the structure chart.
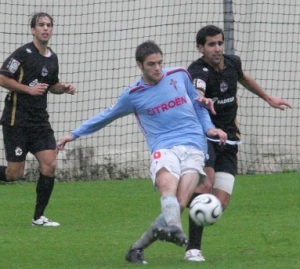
(136, 88)
(156, 155)
(179, 70)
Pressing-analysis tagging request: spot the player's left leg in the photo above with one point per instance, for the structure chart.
(44, 187)
(170, 217)
(43, 146)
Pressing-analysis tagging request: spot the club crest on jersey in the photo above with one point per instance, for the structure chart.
(174, 83)
(18, 151)
(44, 72)
(223, 86)
(13, 65)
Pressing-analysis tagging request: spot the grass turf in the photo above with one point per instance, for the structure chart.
(101, 219)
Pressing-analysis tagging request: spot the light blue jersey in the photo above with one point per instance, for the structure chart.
(167, 112)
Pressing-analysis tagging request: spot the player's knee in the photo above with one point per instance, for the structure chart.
(49, 168)
(206, 187)
(12, 175)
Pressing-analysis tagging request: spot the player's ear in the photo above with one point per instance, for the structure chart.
(200, 48)
(140, 65)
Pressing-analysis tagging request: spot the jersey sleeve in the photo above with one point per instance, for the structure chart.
(236, 60)
(121, 108)
(201, 111)
(199, 76)
(11, 66)
(54, 76)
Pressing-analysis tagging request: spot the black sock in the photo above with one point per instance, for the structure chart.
(195, 235)
(44, 189)
(2, 173)
(195, 231)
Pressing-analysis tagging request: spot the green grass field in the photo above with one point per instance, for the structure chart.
(101, 219)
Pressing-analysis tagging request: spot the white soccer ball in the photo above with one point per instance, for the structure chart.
(205, 209)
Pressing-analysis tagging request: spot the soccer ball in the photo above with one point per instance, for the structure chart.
(205, 209)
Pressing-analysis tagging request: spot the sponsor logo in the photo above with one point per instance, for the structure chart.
(13, 65)
(34, 83)
(28, 50)
(178, 101)
(225, 101)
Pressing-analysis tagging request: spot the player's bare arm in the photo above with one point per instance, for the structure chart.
(60, 88)
(251, 85)
(64, 140)
(208, 103)
(12, 85)
(217, 132)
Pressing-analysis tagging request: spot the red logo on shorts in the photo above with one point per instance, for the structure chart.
(156, 155)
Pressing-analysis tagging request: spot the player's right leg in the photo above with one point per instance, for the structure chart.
(193, 249)
(15, 150)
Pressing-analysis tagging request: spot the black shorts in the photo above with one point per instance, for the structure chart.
(18, 141)
(223, 158)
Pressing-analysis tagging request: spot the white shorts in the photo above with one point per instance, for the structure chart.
(178, 160)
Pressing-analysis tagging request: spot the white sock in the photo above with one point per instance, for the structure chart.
(171, 210)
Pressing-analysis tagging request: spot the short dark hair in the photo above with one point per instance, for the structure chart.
(145, 49)
(39, 15)
(209, 30)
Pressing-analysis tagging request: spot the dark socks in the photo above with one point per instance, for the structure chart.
(195, 231)
(2, 173)
(44, 189)
(195, 235)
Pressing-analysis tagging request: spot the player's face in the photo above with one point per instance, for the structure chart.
(43, 30)
(213, 49)
(152, 68)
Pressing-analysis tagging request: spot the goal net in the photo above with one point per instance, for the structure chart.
(95, 42)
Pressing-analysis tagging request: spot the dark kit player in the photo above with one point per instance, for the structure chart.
(29, 73)
(216, 76)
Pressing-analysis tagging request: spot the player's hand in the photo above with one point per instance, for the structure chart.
(277, 102)
(69, 88)
(62, 142)
(208, 103)
(218, 132)
(38, 89)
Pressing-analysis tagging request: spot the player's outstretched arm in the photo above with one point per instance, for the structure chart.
(251, 85)
(277, 102)
(64, 140)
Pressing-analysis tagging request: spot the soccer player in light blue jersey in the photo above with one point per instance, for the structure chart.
(175, 122)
